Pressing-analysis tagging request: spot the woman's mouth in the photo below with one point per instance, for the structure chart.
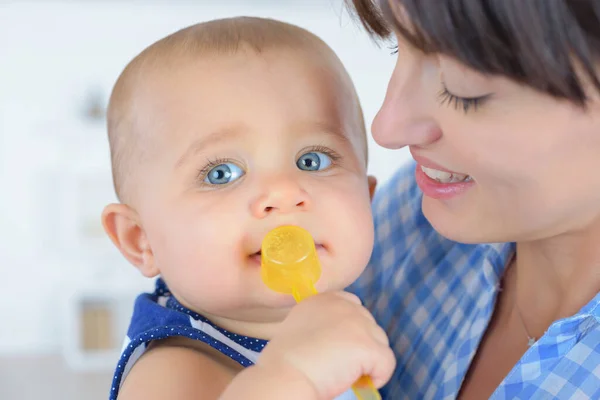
(438, 182)
(442, 185)
(443, 176)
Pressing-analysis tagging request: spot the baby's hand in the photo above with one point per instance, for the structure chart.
(332, 340)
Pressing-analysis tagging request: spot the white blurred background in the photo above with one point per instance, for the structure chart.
(61, 280)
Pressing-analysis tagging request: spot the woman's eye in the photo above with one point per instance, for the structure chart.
(313, 161)
(467, 104)
(223, 174)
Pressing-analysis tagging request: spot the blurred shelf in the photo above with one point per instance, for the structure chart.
(95, 321)
(48, 377)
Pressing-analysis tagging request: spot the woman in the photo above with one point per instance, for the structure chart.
(499, 103)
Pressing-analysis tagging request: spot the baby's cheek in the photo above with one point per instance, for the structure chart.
(363, 237)
(355, 242)
(202, 285)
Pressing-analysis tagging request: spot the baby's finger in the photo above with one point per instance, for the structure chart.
(348, 296)
(380, 336)
(383, 366)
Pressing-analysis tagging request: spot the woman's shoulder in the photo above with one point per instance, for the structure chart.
(399, 198)
(408, 250)
(401, 228)
(398, 216)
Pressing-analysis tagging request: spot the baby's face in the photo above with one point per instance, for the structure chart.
(240, 145)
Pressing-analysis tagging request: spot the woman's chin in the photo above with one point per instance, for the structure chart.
(469, 227)
(453, 224)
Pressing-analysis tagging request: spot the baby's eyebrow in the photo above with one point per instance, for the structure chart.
(236, 131)
(198, 145)
(325, 128)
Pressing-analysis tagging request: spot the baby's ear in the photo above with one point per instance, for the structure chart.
(372, 185)
(122, 225)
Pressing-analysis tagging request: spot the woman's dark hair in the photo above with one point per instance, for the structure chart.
(550, 45)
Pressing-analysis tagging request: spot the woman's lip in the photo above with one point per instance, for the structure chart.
(427, 163)
(440, 191)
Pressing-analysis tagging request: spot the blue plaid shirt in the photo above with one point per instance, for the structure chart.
(435, 297)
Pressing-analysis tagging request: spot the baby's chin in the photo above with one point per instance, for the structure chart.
(260, 317)
(324, 285)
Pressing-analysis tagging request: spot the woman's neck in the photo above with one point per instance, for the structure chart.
(556, 277)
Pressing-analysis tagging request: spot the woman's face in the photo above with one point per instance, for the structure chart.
(533, 162)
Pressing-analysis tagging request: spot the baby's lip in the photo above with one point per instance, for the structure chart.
(257, 254)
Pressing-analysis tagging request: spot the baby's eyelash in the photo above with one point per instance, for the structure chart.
(210, 164)
(466, 103)
(325, 150)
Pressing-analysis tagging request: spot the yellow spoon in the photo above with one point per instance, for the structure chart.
(290, 265)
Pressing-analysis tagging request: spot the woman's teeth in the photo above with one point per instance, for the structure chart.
(445, 177)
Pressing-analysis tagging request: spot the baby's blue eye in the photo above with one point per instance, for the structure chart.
(313, 161)
(223, 174)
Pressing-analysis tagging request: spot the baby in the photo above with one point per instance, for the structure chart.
(219, 133)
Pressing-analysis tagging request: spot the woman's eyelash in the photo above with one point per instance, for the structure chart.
(393, 49)
(466, 103)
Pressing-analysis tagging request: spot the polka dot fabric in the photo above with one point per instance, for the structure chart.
(159, 315)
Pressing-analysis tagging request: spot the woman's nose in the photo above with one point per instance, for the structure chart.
(406, 116)
(283, 195)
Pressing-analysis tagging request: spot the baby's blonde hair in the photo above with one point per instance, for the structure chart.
(218, 37)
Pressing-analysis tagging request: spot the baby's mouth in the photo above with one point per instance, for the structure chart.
(256, 257)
